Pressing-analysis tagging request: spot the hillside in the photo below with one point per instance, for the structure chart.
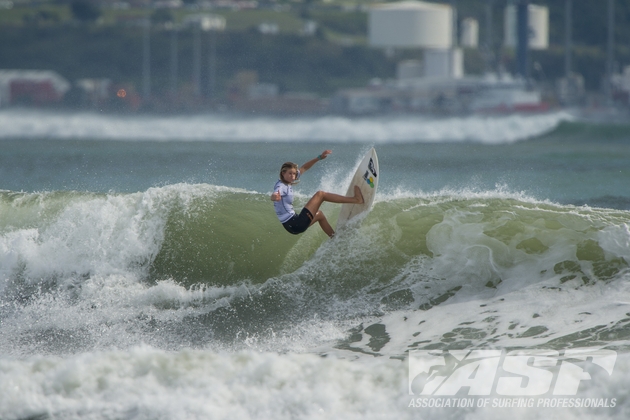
(109, 45)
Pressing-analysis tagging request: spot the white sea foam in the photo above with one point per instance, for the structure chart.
(483, 129)
(143, 383)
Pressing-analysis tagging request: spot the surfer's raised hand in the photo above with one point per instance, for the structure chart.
(324, 154)
(275, 196)
(313, 161)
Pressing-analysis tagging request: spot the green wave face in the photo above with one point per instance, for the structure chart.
(222, 240)
(217, 237)
(235, 237)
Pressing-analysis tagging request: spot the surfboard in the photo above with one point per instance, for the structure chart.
(366, 177)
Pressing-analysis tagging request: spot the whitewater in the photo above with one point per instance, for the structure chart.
(145, 276)
(34, 124)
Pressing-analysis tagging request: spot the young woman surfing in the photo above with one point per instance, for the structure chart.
(283, 199)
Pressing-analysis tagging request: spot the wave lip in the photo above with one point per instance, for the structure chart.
(482, 129)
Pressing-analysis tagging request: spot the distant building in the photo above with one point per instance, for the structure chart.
(621, 87)
(570, 90)
(95, 91)
(418, 25)
(409, 94)
(410, 24)
(538, 26)
(437, 83)
(262, 90)
(31, 87)
(309, 28)
(168, 4)
(269, 28)
(205, 22)
(470, 33)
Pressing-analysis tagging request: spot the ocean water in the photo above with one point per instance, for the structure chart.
(143, 274)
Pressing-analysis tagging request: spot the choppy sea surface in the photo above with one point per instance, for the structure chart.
(144, 275)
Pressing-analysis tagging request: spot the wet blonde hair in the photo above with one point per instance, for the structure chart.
(285, 167)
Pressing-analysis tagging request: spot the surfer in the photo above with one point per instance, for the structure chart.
(283, 199)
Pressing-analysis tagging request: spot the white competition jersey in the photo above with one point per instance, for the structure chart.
(284, 207)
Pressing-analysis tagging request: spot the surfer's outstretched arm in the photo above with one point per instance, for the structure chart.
(313, 161)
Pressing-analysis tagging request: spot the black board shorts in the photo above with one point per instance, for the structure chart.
(298, 224)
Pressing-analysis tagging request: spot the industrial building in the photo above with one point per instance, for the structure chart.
(438, 82)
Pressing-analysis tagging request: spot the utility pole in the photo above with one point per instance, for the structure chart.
(522, 25)
(489, 37)
(212, 64)
(454, 32)
(197, 59)
(610, 52)
(174, 59)
(568, 37)
(146, 59)
(455, 41)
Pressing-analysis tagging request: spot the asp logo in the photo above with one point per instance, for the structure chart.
(514, 373)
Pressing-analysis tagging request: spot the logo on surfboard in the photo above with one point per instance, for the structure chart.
(371, 167)
(368, 179)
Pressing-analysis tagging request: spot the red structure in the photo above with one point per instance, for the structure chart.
(31, 87)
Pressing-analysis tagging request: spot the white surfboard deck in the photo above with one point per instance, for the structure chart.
(366, 177)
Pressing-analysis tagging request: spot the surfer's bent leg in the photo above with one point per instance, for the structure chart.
(323, 223)
(316, 201)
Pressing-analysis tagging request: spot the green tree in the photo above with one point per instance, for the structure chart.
(162, 16)
(84, 10)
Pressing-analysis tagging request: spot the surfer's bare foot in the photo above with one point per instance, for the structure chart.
(357, 195)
